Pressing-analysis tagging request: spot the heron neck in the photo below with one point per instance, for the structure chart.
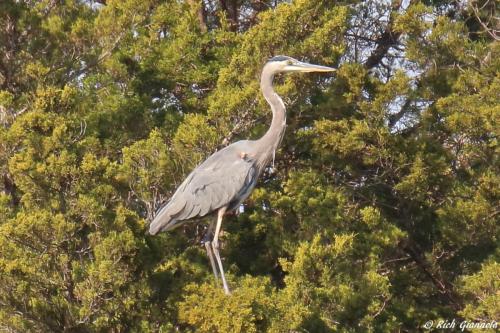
(274, 134)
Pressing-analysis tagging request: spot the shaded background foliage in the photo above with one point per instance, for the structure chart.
(379, 213)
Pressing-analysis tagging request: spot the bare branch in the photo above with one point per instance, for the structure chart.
(494, 33)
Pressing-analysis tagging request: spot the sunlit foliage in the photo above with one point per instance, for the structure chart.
(380, 212)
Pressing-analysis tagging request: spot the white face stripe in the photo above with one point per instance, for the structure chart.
(278, 66)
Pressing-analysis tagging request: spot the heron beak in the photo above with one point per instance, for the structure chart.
(307, 68)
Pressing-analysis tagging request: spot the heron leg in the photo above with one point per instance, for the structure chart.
(215, 247)
(208, 246)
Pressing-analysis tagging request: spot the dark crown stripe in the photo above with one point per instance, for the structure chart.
(279, 58)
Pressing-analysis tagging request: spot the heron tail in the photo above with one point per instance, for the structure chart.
(164, 221)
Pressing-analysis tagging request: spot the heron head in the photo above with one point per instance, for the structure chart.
(285, 64)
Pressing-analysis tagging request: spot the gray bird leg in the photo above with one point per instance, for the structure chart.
(212, 261)
(208, 247)
(215, 247)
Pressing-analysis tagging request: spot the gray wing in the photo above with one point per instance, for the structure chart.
(223, 179)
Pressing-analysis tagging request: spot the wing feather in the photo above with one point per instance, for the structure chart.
(219, 181)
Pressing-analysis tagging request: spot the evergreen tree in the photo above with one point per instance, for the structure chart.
(379, 213)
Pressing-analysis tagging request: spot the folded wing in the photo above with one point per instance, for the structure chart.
(222, 180)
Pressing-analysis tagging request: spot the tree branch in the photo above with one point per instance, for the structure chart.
(490, 31)
(389, 38)
(10, 189)
(231, 8)
(395, 118)
(443, 288)
(199, 6)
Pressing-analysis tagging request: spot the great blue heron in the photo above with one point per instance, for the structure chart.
(227, 178)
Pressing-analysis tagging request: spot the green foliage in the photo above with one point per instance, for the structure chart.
(380, 211)
(250, 309)
(148, 169)
(481, 290)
